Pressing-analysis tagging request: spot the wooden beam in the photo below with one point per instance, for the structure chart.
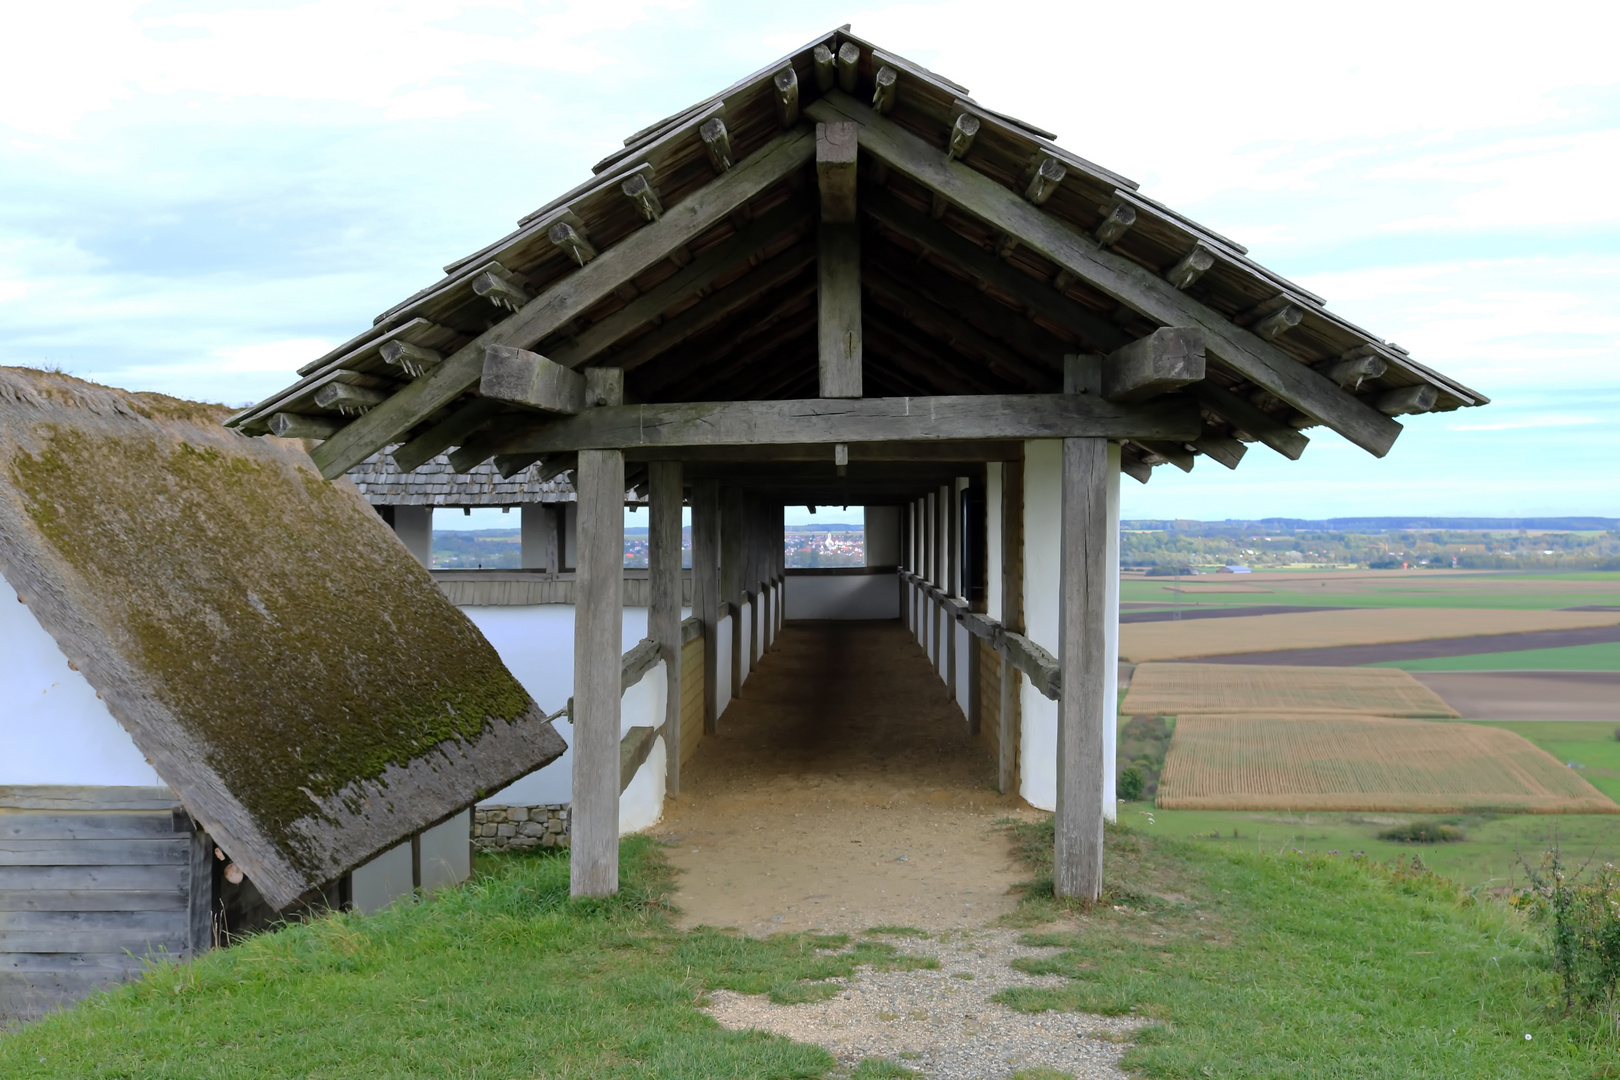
(1167, 359)
(826, 67)
(451, 431)
(836, 147)
(1044, 183)
(1116, 222)
(1173, 453)
(860, 420)
(945, 450)
(1034, 294)
(664, 601)
(531, 380)
(1408, 399)
(960, 140)
(706, 592)
(839, 311)
(883, 93)
(1251, 420)
(1219, 448)
(1191, 267)
(1012, 618)
(928, 309)
(786, 83)
(496, 285)
(697, 276)
(1278, 322)
(718, 140)
(298, 426)
(598, 632)
(348, 399)
(732, 584)
(1123, 280)
(414, 360)
(639, 190)
(849, 62)
(565, 301)
(1082, 633)
(633, 750)
(713, 308)
(1350, 371)
(571, 242)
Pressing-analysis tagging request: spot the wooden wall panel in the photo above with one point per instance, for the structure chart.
(691, 698)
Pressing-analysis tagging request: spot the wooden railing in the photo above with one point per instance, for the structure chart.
(1025, 655)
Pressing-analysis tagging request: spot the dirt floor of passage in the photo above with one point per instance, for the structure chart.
(843, 792)
(1528, 695)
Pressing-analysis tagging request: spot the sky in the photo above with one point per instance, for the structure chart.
(198, 197)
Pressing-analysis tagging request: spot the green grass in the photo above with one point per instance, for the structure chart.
(1601, 657)
(1267, 966)
(502, 978)
(1588, 744)
(1488, 857)
(1485, 591)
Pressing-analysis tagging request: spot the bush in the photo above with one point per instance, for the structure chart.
(1423, 832)
(1582, 921)
(1131, 783)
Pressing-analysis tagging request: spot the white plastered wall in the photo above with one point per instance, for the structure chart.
(53, 727)
(843, 596)
(882, 535)
(1043, 503)
(414, 527)
(536, 642)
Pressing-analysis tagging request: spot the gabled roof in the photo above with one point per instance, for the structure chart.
(988, 253)
(272, 648)
(437, 483)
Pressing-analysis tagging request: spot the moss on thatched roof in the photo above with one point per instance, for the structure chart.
(273, 649)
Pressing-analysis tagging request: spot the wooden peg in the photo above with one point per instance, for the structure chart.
(962, 133)
(1048, 175)
(413, 359)
(718, 141)
(826, 66)
(1191, 267)
(849, 65)
(883, 94)
(641, 192)
(787, 96)
(1116, 220)
(566, 237)
(1274, 325)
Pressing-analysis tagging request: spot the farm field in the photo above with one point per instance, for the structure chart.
(1364, 763)
(1169, 689)
(1603, 656)
(1589, 745)
(1146, 641)
(1487, 857)
(1382, 589)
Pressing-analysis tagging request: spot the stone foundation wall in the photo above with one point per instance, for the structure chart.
(520, 828)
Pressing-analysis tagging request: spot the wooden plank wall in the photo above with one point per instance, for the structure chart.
(691, 697)
(90, 880)
(989, 662)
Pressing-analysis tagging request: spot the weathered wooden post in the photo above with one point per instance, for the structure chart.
(598, 645)
(1012, 618)
(664, 602)
(706, 592)
(731, 569)
(1082, 638)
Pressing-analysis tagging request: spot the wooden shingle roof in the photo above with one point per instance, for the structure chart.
(988, 253)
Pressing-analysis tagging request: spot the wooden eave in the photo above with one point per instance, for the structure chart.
(1006, 341)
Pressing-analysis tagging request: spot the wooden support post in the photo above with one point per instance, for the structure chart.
(664, 601)
(1082, 636)
(942, 560)
(838, 263)
(706, 592)
(598, 633)
(1012, 618)
(731, 582)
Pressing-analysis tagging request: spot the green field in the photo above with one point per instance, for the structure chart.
(1488, 857)
(1601, 657)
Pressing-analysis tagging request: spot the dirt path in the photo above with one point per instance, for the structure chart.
(842, 793)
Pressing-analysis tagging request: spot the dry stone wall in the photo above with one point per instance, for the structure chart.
(520, 828)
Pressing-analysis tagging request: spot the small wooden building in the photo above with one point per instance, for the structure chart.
(226, 690)
(844, 280)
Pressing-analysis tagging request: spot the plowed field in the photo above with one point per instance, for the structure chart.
(1177, 689)
(1370, 763)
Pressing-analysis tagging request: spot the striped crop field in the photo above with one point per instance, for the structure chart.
(1366, 763)
(1164, 689)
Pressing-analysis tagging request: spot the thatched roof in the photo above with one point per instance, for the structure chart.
(275, 652)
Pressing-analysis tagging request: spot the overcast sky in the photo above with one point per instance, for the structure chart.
(198, 197)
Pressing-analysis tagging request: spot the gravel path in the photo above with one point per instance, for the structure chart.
(943, 1023)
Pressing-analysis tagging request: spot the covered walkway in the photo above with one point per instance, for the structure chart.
(843, 792)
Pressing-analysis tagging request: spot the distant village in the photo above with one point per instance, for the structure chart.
(805, 547)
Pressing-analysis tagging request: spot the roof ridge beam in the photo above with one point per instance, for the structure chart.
(1130, 284)
(567, 299)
